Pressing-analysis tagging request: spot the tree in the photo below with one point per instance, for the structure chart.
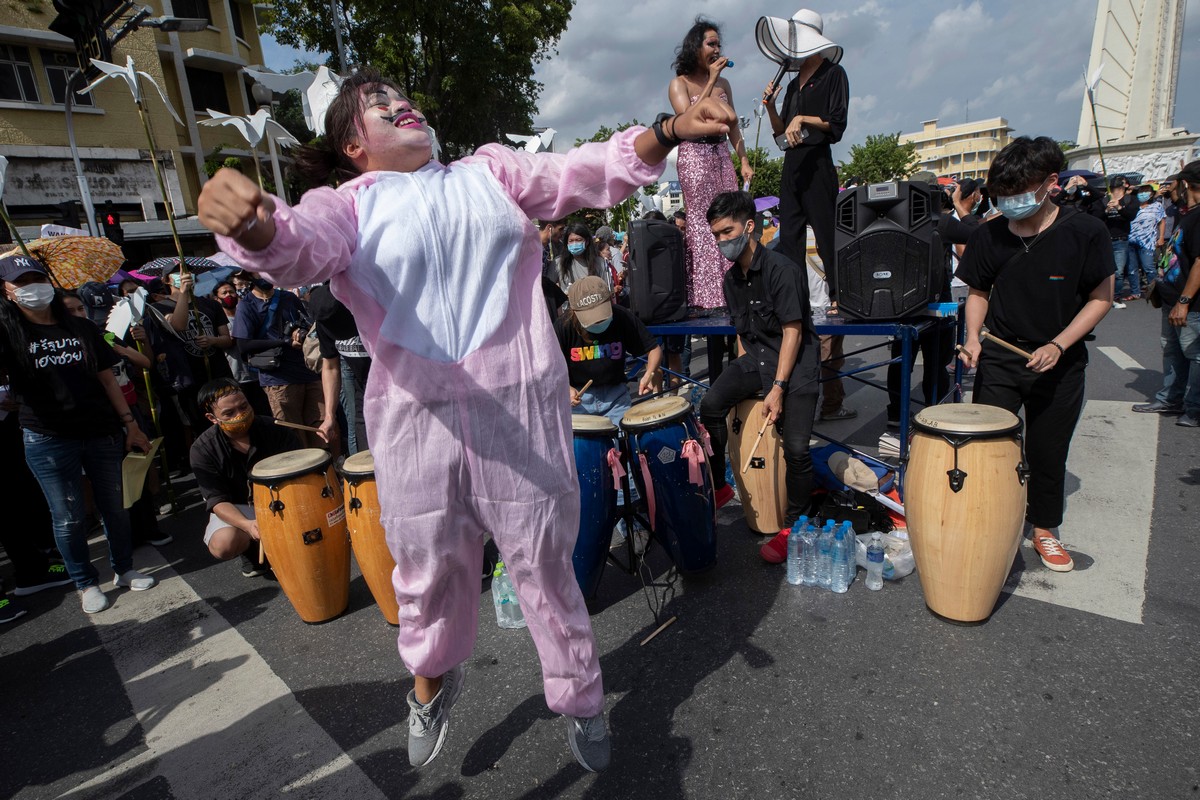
(467, 65)
(1067, 145)
(768, 172)
(617, 216)
(880, 159)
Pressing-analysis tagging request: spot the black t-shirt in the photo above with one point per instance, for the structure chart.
(223, 473)
(1185, 242)
(1116, 219)
(338, 336)
(63, 396)
(1036, 296)
(206, 321)
(602, 360)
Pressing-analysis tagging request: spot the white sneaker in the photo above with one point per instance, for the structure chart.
(134, 580)
(94, 600)
(1118, 304)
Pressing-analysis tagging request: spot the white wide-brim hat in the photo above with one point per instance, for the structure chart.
(796, 38)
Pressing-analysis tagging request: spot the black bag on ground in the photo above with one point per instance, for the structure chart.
(655, 274)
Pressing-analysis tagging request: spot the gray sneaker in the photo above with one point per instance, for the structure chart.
(427, 725)
(94, 600)
(838, 414)
(1188, 421)
(589, 741)
(1155, 407)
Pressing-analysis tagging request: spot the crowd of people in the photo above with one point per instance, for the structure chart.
(437, 351)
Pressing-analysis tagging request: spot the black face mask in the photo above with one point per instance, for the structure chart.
(263, 285)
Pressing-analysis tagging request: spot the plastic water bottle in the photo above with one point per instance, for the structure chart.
(808, 558)
(795, 552)
(875, 563)
(508, 610)
(851, 564)
(841, 552)
(825, 556)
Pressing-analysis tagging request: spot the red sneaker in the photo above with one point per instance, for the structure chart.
(1052, 553)
(775, 551)
(723, 495)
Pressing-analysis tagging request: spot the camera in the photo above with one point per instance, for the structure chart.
(291, 327)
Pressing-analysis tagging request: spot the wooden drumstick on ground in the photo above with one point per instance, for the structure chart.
(1012, 348)
(754, 449)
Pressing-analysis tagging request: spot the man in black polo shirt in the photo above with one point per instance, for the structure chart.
(767, 295)
(1041, 278)
(222, 457)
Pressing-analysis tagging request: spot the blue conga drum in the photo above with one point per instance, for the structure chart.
(670, 468)
(596, 462)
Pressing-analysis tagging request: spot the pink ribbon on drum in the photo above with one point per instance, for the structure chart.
(648, 482)
(615, 466)
(695, 457)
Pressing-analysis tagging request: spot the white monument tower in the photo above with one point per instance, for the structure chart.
(1135, 48)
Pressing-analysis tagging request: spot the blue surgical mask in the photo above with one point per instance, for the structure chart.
(1019, 206)
(1143, 197)
(599, 327)
(575, 248)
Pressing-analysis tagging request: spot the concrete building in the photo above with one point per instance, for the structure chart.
(197, 70)
(965, 150)
(1136, 49)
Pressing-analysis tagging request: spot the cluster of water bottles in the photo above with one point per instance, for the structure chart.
(504, 597)
(826, 557)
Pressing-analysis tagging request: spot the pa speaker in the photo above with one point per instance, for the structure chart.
(655, 273)
(889, 262)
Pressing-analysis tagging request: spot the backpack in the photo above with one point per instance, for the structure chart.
(172, 370)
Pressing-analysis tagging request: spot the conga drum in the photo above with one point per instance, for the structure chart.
(595, 454)
(964, 497)
(298, 507)
(367, 536)
(762, 488)
(670, 469)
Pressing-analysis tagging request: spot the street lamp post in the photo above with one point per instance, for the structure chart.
(262, 98)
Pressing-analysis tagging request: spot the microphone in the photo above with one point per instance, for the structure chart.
(783, 67)
(729, 64)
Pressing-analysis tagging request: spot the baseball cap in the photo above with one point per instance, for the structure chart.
(15, 265)
(590, 299)
(604, 234)
(967, 186)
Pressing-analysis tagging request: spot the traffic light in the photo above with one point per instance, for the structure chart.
(110, 221)
(86, 23)
(68, 214)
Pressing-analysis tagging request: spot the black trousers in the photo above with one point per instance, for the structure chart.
(807, 194)
(740, 381)
(1052, 402)
(718, 348)
(935, 381)
(26, 529)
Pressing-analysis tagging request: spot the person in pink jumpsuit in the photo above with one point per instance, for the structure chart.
(466, 407)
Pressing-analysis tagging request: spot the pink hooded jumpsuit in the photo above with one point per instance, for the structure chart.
(467, 406)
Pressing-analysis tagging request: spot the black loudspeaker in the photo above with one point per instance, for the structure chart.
(655, 273)
(890, 262)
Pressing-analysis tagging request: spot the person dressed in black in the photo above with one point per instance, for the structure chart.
(345, 366)
(1118, 210)
(222, 458)
(767, 295)
(204, 330)
(1041, 278)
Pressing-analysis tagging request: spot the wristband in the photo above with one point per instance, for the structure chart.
(1061, 352)
(667, 141)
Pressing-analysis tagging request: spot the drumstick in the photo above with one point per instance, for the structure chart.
(1012, 348)
(754, 449)
(658, 630)
(586, 386)
(261, 553)
(296, 425)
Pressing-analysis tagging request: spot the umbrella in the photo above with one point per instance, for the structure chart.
(206, 283)
(761, 204)
(224, 259)
(76, 260)
(167, 264)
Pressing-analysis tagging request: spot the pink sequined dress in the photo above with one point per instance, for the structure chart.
(705, 170)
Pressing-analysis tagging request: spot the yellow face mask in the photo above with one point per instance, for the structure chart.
(238, 425)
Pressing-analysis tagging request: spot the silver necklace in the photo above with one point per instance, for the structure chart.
(1033, 241)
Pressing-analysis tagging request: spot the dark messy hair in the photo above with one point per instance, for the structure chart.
(687, 55)
(1021, 163)
(588, 256)
(655, 214)
(325, 160)
(214, 390)
(738, 206)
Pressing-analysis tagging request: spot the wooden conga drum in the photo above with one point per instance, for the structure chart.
(367, 536)
(763, 487)
(298, 507)
(964, 497)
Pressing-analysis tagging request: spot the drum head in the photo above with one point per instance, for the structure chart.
(966, 419)
(289, 465)
(652, 413)
(592, 423)
(361, 464)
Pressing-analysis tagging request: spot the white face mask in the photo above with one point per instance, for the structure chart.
(35, 296)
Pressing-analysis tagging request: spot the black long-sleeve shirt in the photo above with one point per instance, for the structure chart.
(826, 95)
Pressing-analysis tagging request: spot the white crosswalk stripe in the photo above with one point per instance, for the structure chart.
(1120, 357)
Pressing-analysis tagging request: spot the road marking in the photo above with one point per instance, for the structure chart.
(1120, 357)
(1107, 517)
(218, 721)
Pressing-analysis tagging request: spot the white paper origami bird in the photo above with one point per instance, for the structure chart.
(253, 128)
(536, 143)
(129, 74)
(316, 91)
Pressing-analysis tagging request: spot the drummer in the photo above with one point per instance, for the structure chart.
(778, 349)
(222, 458)
(595, 337)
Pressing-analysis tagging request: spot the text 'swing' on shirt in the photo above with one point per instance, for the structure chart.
(448, 288)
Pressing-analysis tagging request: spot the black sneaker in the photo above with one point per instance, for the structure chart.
(55, 575)
(250, 566)
(158, 539)
(10, 610)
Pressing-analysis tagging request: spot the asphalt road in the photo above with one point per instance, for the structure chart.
(1079, 686)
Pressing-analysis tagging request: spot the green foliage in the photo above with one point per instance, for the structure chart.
(215, 161)
(619, 215)
(1067, 145)
(768, 172)
(467, 65)
(881, 158)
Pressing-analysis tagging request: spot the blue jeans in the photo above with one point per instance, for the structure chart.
(1121, 256)
(1181, 363)
(58, 464)
(1141, 260)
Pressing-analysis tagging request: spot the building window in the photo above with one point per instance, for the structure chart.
(59, 66)
(192, 9)
(235, 13)
(208, 90)
(16, 75)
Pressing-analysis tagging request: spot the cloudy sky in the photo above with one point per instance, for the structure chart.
(908, 61)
